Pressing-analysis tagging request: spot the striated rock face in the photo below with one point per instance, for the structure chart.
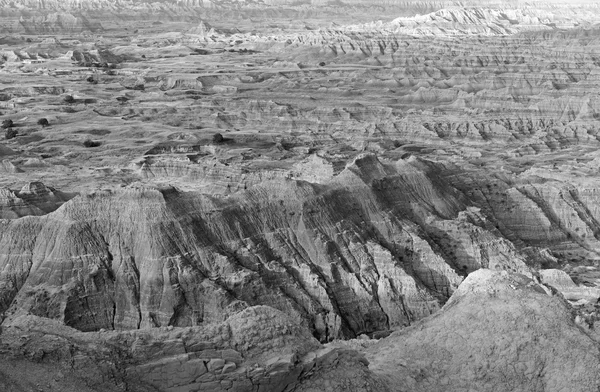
(561, 281)
(486, 21)
(33, 199)
(95, 16)
(499, 331)
(271, 183)
(369, 251)
(544, 211)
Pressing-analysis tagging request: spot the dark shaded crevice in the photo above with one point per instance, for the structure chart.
(446, 247)
(153, 319)
(489, 209)
(177, 312)
(303, 256)
(114, 315)
(8, 297)
(274, 280)
(554, 219)
(136, 293)
(108, 265)
(372, 288)
(400, 303)
(400, 253)
(345, 326)
(584, 213)
(375, 290)
(539, 201)
(182, 304)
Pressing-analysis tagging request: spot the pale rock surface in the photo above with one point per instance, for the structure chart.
(33, 199)
(562, 282)
(7, 166)
(257, 349)
(500, 331)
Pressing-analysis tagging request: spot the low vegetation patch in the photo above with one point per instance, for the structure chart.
(11, 133)
(218, 138)
(95, 131)
(7, 124)
(91, 143)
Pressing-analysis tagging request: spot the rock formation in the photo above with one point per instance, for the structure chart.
(300, 195)
(499, 331)
(258, 348)
(374, 249)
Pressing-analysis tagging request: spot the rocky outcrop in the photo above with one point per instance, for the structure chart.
(7, 166)
(553, 214)
(256, 349)
(484, 21)
(561, 281)
(180, 82)
(499, 331)
(33, 199)
(375, 248)
(327, 181)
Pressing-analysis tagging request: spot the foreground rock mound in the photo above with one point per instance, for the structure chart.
(498, 332)
(257, 349)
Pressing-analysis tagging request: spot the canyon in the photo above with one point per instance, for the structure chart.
(299, 196)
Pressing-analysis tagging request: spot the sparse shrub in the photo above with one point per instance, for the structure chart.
(91, 143)
(7, 124)
(11, 133)
(69, 99)
(43, 122)
(175, 122)
(218, 138)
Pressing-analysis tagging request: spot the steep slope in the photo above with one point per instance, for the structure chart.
(376, 248)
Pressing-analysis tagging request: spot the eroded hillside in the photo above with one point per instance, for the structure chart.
(177, 176)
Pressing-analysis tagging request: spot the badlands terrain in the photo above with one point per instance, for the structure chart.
(357, 195)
